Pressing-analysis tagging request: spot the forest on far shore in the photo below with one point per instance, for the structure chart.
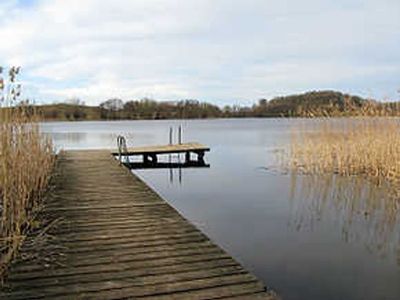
(310, 104)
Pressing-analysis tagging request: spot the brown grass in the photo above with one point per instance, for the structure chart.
(26, 162)
(349, 146)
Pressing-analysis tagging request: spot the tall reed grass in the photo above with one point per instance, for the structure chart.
(26, 163)
(366, 146)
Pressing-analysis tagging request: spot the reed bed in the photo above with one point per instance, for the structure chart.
(366, 146)
(26, 163)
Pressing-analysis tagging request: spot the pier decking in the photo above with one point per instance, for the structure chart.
(107, 235)
(167, 149)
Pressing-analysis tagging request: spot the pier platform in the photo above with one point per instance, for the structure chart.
(150, 153)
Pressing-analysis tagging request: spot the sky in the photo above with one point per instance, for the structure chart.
(219, 51)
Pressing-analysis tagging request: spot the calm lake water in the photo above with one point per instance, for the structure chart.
(307, 238)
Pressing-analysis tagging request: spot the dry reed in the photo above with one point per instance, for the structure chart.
(349, 146)
(26, 163)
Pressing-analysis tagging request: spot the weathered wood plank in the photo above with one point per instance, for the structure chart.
(76, 261)
(121, 273)
(133, 289)
(145, 265)
(130, 280)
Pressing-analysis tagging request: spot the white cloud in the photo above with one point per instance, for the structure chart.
(207, 49)
(101, 90)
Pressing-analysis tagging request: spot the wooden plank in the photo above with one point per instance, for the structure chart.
(109, 236)
(145, 265)
(134, 289)
(126, 272)
(145, 245)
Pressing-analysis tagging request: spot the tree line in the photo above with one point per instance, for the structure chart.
(311, 104)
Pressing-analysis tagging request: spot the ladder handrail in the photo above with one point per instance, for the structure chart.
(122, 149)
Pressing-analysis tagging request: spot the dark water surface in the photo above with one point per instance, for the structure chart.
(307, 238)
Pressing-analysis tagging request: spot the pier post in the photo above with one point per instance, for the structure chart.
(170, 135)
(200, 156)
(187, 157)
(154, 158)
(180, 134)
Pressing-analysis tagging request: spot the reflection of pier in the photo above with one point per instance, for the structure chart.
(167, 165)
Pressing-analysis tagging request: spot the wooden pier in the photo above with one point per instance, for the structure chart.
(150, 153)
(106, 235)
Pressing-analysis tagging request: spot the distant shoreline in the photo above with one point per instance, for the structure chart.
(311, 104)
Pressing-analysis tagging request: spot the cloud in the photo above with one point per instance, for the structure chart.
(114, 89)
(212, 50)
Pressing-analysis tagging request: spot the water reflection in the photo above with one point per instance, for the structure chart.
(167, 165)
(363, 211)
(175, 162)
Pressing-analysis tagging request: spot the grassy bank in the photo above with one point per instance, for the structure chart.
(26, 163)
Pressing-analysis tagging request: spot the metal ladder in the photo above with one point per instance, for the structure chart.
(122, 149)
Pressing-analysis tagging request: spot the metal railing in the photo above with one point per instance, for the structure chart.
(171, 134)
(122, 149)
